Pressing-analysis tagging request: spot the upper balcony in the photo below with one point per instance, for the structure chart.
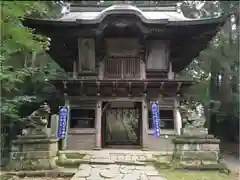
(122, 68)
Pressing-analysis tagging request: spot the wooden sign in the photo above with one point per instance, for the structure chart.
(86, 55)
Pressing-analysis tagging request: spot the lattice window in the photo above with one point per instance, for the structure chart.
(123, 68)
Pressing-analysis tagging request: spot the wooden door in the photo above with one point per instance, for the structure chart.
(122, 126)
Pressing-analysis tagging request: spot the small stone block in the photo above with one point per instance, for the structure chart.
(152, 173)
(156, 178)
(83, 173)
(194, 131)
(143, 177)
(107, 174)
(126, 170)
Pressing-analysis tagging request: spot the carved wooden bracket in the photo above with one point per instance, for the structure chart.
(179, 86)
(161, 86)
(145, 87)
(129, 89)
(82, 88)
(114, 88)
(65, 84)
(98, 88)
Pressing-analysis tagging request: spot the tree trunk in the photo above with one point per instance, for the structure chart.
(213, 92)
(34, 54)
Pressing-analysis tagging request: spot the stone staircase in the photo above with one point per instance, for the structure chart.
(116, 165)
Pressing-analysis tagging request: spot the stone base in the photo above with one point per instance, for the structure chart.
(34, 153)
(196, 149)
(144, 149)
(197, 155)
(201, 165)
(97, 148)
(32, 164)
(194, 131)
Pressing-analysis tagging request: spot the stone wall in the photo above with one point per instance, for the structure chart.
(159, 143)
(80, 139)
(33, 152)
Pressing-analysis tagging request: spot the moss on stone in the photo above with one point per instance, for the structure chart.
(196, 155)
(195, 141)
(5, 177)
(209, 136)
(68, 163)
(41, 173)
(198, 166)
(31, 164)
(74, 155)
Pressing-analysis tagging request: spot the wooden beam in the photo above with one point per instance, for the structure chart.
(105, 99)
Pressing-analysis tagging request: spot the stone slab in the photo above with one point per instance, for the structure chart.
(115, 171)
(34, 154)
(198, 155)
(194, 131)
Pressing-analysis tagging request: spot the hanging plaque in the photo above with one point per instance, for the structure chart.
(156, 119)
(62, 125)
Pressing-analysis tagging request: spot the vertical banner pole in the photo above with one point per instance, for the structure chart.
(66, 104)
(155, 118)
(63, 115)
(63, 124)
(158, 119)
(64, 144)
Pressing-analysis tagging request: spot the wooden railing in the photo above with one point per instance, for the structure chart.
(122, 68)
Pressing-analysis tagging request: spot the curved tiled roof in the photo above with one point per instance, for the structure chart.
(188, 36)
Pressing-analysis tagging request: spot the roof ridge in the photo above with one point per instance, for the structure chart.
(97, 8)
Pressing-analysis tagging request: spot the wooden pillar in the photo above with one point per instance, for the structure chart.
(74, 69)
(54, 125)
(144, 57)
(177, 118)
(98, 124)
(144, 124)
(170, 72)
(101, 70)
(66, 103)
(142, 69)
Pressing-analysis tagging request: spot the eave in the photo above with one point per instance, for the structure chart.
(182, 34)
(103, 88)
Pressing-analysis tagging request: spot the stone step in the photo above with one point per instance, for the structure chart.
(62, 172)
(66, 162)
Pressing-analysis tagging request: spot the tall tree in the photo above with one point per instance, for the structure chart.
(217, 67)
(22, 67)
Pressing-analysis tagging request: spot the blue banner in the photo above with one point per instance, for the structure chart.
(156, 119)
(62, 124)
